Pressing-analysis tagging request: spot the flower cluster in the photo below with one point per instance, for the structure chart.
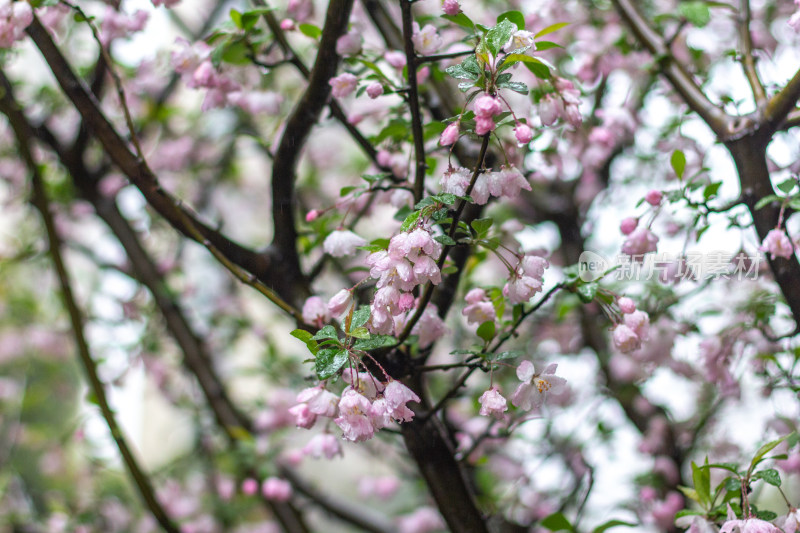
(526, 279)
(364, 407)
(633, 330)
(410, 260)
(508, 182)
(479, 308)
(14, 18)
(117, 24)
(564, 103)
(777, 244)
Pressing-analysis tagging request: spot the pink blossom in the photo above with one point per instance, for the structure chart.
(640, 242)
(508, 181)
(625, 339)
(320, 401)
(628, 225)
(549, 109)
(340, 302)
(521, 40)
(312, 215)
(430, 327)
(323, 444)
(777, 244)
(276, 489)
(479, 308)
(343, 84)
(117, 24)
(423, 520)
(639, 322)
(664, 512)
(653, 197)
(315, 311)
(166, 3)
(487, 106)
(493, 403)
(426, 40)
(456, 180)
(14, 18)
(288, 25)
(523, 133)
(451, 7)
(423, 74)
(354, 416)
(526, 280)
(789, 523)
(342, 243)
(480, 191)
(748, 525)
(363, 382)
(426, 269)
(626, 305)
(300, 10)
(303, 416)
(449, 135)
(484, 125)
(374, 90)
(249, 486)
(395, 59)
(383, 487)
(349, 44)
(530, 394)
(397, 396)
(794, 21)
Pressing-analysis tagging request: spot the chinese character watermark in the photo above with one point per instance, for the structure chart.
(671, 268)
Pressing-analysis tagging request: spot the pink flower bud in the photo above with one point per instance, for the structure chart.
(653, 197)
(628, 225)
(523, 133)
(374, 90)
(312, 215)
(626, 305)
(276, 489)
(451, 7)
(395, 59)
(487, 106)
(287, 25)
(340, 302)
(449, 135)
(249, 486)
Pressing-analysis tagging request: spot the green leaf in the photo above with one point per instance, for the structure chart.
(787, 185)
(612, 523)
(486, 330)
(309, 30)
(329, 361)
(767, 200)
(360, 317)
(410, 221)
(302, 334)
(445, 239)
(359, 333)
(550, 29)
(328, 332)
(236, 17)
(481, 226)
(695, 12)
(541, 46)
(462, 20)
(557, 522)
(498, 36)
(460, 73)
(764, 450)
(511, 354)
(701, 477)
(587, 291)
(514, 16)
(374, 342)
(770, 475)
(539, 69)
(711, 189)
(678, 162)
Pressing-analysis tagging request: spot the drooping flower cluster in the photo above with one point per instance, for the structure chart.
(633, 330)
(365, 406)
(193, 63)
(777, 244)
(410, 260)
(14, 18)
(639, 242)
(508, 182)
(486, 107)
(564, 103)
(117, 24)
(526, 279)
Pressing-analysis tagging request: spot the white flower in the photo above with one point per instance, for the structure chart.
(426, 41)
(530, 394)
(341, 243)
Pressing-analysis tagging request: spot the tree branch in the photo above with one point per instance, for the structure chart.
(748, 61)
(260, 265)
(41, 202)
(673, 70)
(782, 104)
(413, 101)
(303, 118)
